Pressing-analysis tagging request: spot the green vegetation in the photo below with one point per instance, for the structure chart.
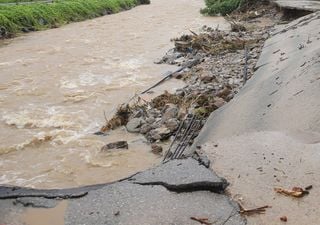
(17, 1)
(223, 7)
(38, 16)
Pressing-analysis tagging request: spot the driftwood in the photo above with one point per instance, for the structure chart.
(296, 192)
(259, 210)
(170, 75)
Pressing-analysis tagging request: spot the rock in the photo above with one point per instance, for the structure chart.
(251, 61)
(265, 36)
(237, 81)
(158, 61)
(153, 113)
(156, 149)
(145, 2)
(224, 93)
(218, 102)
(150, 120)
(254, 55)
(207, 79)
(139, 113)
(115, 145)
(171, 111)
(172, 124)
(3, 32)
(180, 92)
(179, 60)
(145, 128)
(210, 87)
(155, 125)
(134, 125)
(178, 75)
(172, 57)
(154, 135)
(230, 81)
(27, 29)
(159, 133)
(254, 14)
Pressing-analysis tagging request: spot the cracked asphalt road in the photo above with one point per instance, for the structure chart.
(168, 194)
(307, 5)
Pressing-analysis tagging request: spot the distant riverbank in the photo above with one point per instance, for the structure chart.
(16, 19)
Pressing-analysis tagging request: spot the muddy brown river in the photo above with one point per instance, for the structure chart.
(55, 86)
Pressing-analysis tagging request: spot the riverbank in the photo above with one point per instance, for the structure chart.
(15, 19)
(214, 65)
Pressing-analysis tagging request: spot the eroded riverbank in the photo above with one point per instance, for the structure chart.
(214, 65)
(56, 84)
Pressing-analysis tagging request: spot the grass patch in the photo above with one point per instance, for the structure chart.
(223, 7)
(38, 16)
(17, 1)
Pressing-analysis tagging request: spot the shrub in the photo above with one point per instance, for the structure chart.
(223, 7)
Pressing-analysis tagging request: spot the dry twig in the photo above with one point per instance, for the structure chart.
(259, 210)
(201, 220)
(296, 192)
(194, 33)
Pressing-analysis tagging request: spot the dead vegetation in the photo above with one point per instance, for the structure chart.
(211, 64)
(166, 98)
(258, 210)
(211, 43)
(201, 220)
(215, 41)
(296, 192)
(120, 118)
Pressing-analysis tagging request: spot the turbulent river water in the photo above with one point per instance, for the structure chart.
(56, 84)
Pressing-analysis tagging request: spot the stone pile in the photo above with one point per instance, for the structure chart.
(209, 85)
(226, 58)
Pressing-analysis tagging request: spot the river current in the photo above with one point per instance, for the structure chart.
(56, 85)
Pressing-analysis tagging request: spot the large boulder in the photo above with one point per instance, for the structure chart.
(134, 125)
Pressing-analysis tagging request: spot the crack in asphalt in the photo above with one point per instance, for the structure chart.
(192, 187)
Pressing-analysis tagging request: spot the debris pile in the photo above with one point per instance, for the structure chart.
(121, 118)
(223, 60)
(211, 42)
